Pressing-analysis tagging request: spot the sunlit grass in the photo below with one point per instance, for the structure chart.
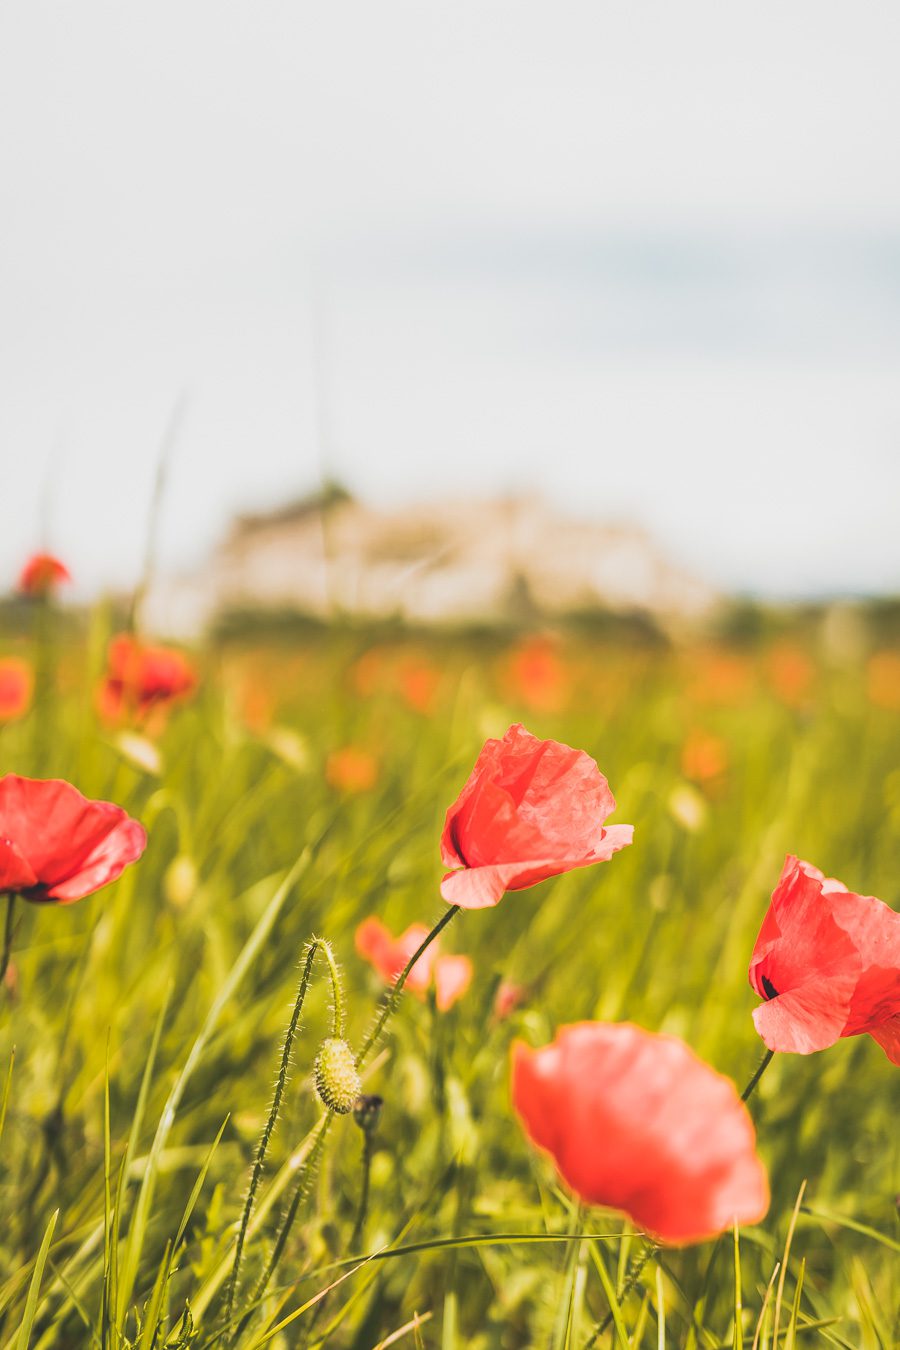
(302, 790)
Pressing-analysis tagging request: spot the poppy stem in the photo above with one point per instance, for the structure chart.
(362, 1210)
(337, 995)
(304, 1179)
(263, 1147)
(8, 933)
(763, 1065)
(389, 1004)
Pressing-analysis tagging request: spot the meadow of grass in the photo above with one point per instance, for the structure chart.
(301, 790)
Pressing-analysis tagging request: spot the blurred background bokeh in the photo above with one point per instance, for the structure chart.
(644, 265)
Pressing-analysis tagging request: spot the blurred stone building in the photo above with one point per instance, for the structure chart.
(445, 562)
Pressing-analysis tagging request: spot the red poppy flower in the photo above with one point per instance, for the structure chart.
(637, 1122)
(827, 962)
(141, 677)
(530, 810)
(42, 574)
(57, 845)
(15, 687)
(450, 975)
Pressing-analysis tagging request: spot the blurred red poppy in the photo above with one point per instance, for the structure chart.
(637, 1122)
(791, 673)
(42, 574)
(450, 975)
(704, 757)
(537, 676)
(530, 810)
(827, 962)
(16, 683)
(720, 677)
(508, 998)
(56, 845)
(419, 684)
(140, 677)
(351, 769)
(883, 680)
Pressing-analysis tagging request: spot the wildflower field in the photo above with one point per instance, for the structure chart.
(294, 797)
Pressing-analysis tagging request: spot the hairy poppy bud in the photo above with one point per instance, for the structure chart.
(337, 1078)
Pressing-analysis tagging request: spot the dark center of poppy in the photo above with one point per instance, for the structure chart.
(769, 988)
(454, 839)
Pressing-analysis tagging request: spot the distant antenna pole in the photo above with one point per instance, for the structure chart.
(166, 447)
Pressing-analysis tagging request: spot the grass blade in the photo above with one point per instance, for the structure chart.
(614, 1306)
(830, 1217)
(31, 1302)
(154, 1306)
(247, 956)
(784, 1263)
(790, 1339)
(6, 1086)
(738, 1338)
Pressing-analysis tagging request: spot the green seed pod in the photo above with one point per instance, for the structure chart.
(337, 1079)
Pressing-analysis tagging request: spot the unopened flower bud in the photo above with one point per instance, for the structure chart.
(367, 1111)
(337, 1079)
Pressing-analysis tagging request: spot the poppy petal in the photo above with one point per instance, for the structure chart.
(452, 977)
(826, 960)
(888, 1037)
(638, 1123)
(16, 873)
(73, 845)
(806, 1019)
(530, 809)
(482, 887)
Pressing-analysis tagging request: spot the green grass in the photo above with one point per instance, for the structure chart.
(148, 1021)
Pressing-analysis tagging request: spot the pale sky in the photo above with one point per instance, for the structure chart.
(641, 257)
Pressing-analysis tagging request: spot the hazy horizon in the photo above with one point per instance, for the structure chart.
(644, 262)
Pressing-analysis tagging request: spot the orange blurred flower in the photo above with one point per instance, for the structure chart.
(791, 673)
(351, 769)
(450, 975)
(42, 574)
(16, 685)
(704, 757)
(366, 674)
(883, 680)
(721, 677)
(419, 683)
(257, 704)
(537, 676)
